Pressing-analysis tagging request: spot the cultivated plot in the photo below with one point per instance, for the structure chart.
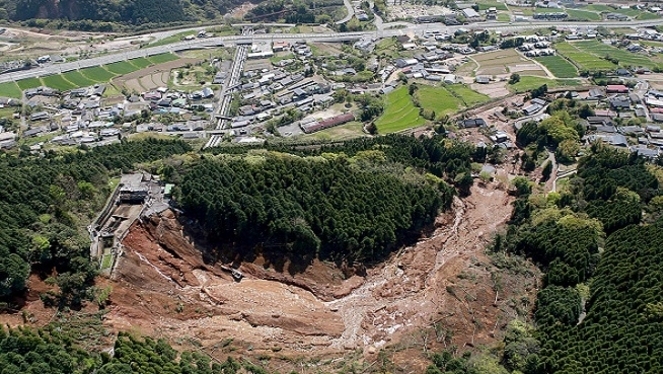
(58, 82)
(558, 66)
(10, 89)
(624, 57)
(160, 59)
(503, 62)
(399, 112)
(528, 83)
(582, 59)
(78, 79)
(122, 67)
(28, 83)
(140, 63)
(97, 74)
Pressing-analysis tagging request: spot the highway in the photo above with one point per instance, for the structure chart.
(309, 37)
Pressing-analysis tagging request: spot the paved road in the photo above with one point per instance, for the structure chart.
(351, 12)
(328, 37)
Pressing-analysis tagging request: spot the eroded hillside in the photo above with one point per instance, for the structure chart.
(444, 290)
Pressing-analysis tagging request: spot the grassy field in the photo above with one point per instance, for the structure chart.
(78, 79)
(584, 60)
(172, 39)
(484, 5)
(637, 14)
(503, 17)
(25, 84)
(122, 67)
(10, 89)
(400, 113)
(583, 15)
(58, 82)
(97, 74)
(624, 57)
(347, 131)
(468, 96)
(559, 66)
(528, 83)
(438, 99)
(160, 59)
(140, 62)
(599, 8)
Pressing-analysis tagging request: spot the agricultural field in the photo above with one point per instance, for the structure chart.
(468, 96)
(160, 59)
(399, 113)
(10, 89)
(503, 62)
(484, 5)
(28, 83)
(558, 66)
(78, 79)
(97, 74)
(140, 63)
(583, 15)
(122, 67)
(582, 59)
(347, 131)
(637, 14)
(503, 17)
(599, 8)
(58, 82)
(624, 57)
(528, 83)
(438, 99)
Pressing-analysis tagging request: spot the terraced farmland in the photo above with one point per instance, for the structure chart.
(164, 57)
(582, 59)
(624, 57)
(28, 83)
(140, 63)
(558, 66)
(400, 113)
(122, 67)
(78, 79)
(58, 82)
(10, 89)
(97, 74)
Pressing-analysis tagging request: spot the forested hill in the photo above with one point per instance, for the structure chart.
(351, 202)
(128, 12)
(600, 243)
(46, 201)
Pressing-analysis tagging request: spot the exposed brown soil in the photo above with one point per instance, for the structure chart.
(443, 290)
(446, 282)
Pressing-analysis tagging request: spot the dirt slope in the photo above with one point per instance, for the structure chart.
(443, 290)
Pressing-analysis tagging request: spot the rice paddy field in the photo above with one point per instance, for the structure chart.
(583, 15)
(558, 66)
(438, 99)
(58, 82)
(78, 79)
(10, 89)
(399, 113)
(468, 96)
(528, 83)
(84, 77)
(625, 57)
(28, 83)
(583, 59)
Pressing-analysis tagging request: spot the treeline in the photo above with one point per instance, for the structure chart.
(349, 201)
(601, 306)
(99, 15)
(42, 203)
(47, 351)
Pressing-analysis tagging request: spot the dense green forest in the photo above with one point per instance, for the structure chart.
(354, 201)
(600, 309)
(53, 351)
(45, 202)
(99, 15)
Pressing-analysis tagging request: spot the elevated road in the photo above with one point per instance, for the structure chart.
(309, 37)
